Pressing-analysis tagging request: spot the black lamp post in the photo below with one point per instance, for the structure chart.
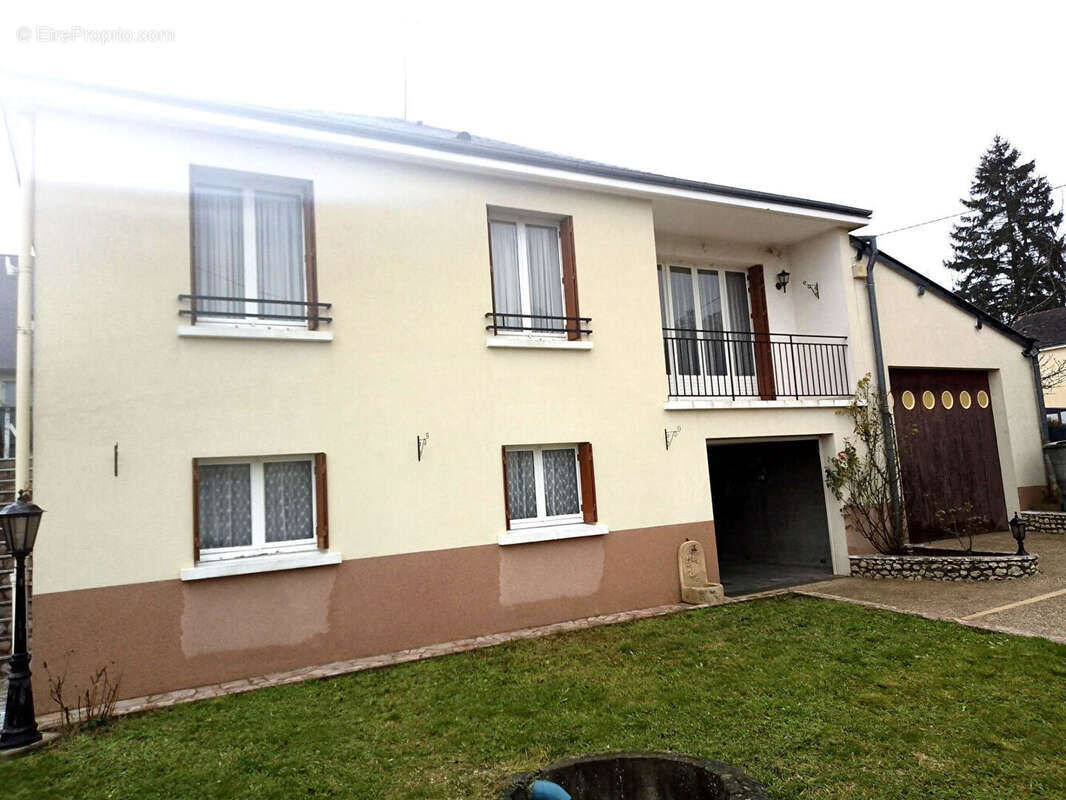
(1017, 530)
(782, 281)
(20, 521)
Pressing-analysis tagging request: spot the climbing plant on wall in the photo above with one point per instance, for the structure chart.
(858, 475)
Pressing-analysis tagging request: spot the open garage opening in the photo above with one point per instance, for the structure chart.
(770, 517)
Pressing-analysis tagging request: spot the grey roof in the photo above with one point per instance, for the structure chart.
(1047, 327)
(929, 284)
(416, 133)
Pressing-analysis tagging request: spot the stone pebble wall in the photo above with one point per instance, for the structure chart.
(945, 568)
(1045, 521)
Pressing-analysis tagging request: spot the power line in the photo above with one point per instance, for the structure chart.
(941, 219)
(921, 224)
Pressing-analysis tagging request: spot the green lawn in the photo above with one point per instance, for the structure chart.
(815, 699)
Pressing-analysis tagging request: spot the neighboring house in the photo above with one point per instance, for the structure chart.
(1048, 328)
(531, 377)
(7, 440)
(7, 360)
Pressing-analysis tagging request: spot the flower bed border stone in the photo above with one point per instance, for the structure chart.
(1045, 521)
(917, 566)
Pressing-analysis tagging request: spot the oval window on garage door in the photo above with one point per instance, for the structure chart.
(964, 399)
(928, 399)
(982, 398)
(907, 398)
(947, 400)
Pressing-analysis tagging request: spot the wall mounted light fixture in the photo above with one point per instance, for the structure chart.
(782, 281)
(814, 289)
(670, 435)
(422, 442)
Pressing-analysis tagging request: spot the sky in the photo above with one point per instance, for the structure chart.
(884, 105)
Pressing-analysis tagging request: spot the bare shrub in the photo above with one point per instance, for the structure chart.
(858, 475)
(962, 524)
(85, 707)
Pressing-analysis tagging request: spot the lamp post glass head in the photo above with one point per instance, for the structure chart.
(1017, 530)
(782, 281)
(20, 521)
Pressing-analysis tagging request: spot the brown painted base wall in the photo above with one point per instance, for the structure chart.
(173, 634)
(1030, 497)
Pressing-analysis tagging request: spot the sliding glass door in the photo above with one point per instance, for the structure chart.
(707, 331)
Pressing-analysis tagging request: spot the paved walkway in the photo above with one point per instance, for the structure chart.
(743, 578)
(1028, 606)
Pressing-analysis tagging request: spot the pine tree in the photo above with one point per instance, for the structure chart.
(1007, 246)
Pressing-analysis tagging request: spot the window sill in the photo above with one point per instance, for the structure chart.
(550, 533)
(684, 404)
(252, 564)
(541, 342)
(222, 330)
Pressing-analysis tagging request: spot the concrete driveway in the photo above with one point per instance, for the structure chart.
(1028, 606)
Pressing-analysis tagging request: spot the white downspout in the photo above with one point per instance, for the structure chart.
(24, 311)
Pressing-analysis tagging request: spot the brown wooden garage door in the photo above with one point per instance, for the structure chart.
(947, 447)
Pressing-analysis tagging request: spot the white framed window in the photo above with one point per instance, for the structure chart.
(543, 485)
(257, 506)
(707, 324)
(252, 243)
(527, 274)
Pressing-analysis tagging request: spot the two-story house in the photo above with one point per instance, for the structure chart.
(1048, 328)
(309, 387)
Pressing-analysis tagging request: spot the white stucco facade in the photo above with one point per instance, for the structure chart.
(403, 257)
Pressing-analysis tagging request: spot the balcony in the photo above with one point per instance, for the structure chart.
(734, 365)
(537, 324)
(537, 331)
(209, 307)
(254, 318)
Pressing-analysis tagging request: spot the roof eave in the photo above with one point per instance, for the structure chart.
(329, 124)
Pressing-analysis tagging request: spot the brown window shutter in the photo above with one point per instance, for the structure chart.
(588, 482)
(321, 502)
(760, 326)
(506, 506)
(566, 240)
(195, 510)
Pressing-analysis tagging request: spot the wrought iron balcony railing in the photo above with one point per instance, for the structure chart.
(574, 327)
(216, 307)
(767, 366)
(7, 434)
